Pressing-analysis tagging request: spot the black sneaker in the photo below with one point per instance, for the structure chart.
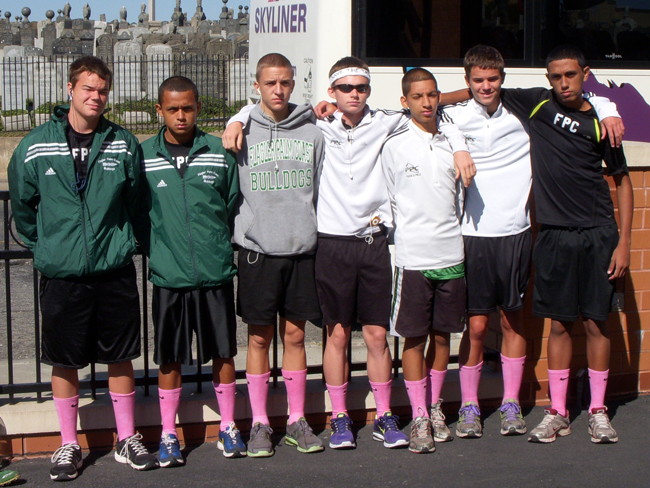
(131, 451)
(67, 461)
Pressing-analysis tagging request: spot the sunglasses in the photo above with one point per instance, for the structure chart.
(345, 88)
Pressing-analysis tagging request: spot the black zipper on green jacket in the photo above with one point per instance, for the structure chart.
(83, 229)
(189, 231)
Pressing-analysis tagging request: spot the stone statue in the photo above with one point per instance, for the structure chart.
(144, 16)
(123, 14)
(102, 17)
(86, 12)
(66, 10)
(178, 4)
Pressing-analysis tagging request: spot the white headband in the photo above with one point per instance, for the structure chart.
(349, 72)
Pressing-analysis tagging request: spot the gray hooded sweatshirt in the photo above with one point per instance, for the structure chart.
(279, 167)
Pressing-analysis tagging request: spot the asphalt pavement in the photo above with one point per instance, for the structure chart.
(492, 460)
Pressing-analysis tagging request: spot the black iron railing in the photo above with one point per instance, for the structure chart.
(13, 250)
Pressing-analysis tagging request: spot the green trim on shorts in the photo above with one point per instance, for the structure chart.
(450, 273)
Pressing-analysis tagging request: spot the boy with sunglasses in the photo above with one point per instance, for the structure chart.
(353, 266)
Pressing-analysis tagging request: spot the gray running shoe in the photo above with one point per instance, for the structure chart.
(600, 428)
(441, 432)
(512, 421)
(552, 425)
(259, 442)
(469, 421)
(422, 436)
(300, 435)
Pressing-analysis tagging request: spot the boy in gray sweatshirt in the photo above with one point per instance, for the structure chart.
(279, 166)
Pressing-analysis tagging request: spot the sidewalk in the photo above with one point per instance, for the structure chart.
(492, 461)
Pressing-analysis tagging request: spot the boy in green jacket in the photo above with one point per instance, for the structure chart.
(74, 186)
(191, 189)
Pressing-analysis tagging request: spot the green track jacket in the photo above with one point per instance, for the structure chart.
(191, 217)
(74, 233)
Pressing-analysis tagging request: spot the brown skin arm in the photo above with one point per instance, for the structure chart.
(615, 128)
(465, 167)
(625, 197)
(324, 109)
(452, 98)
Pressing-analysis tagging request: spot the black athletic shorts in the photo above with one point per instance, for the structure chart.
(571, 272)
(178, 313)
(497, 270)
(354, 280)
(421, 305)
(272, 285)
(91, 319)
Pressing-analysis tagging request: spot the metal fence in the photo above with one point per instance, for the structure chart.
(13, 250)
(32, 86)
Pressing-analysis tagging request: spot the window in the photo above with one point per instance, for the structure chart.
(611, 33)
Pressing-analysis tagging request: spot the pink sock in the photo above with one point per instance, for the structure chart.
(381, 391)
(435, 380)
(124, 409)
(337, 397)
(513, 372)
(296, 384)
(67, 409)
(417, 391)
(258, 391)
(558, 385)
(598, 385)
(226, 397)
(470, 377)
(169, 402)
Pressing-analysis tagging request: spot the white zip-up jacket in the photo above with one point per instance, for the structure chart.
(426, 199)
(352, 190)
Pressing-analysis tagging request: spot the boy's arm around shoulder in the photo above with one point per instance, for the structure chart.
(233, 136)
(463, 162)
(611, 123)
(25, 195)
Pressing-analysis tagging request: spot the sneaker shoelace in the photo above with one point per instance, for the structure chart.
(436, 413)
(469, 413)
(260, 428)
(421, 428)
(340, 424)
(304, 426)
(510, 410)
(136, 445)
(546, 421)
(232, 431)
(601, 420)
(168, 442)
(63, 455)
(391, 422)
